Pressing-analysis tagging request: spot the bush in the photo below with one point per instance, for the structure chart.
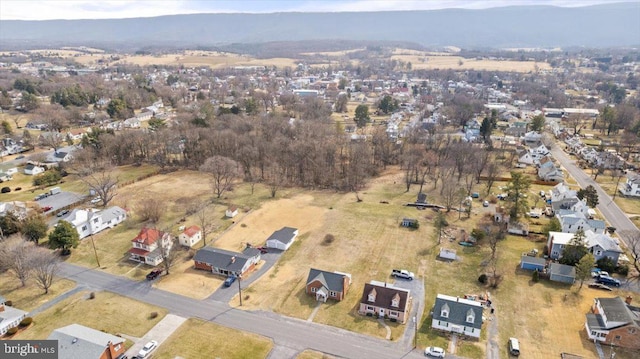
(606, 264)
(623, 270)
(153, 315)
(17, 188)
(8, 303)
(92, 295)
(483, 278)
(26, 322)
(5, 190)
(328, 239)
(12, 331)
(535, 277)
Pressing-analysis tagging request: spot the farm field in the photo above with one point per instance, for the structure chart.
(196, 337)
(107, 312)
(429, 62)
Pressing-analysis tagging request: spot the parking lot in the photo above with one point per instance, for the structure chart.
(60, 200)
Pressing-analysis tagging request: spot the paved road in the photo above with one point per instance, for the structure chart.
(290, 333)
(609, 209)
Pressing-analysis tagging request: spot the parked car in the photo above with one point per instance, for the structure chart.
(229, 281)
(434, 352)
(534, 214)
(514, 347)
(96, 200)
(46, 208)
(154, 274)
(148, 348)
(402, 273)
(262, 250)
(485, 204)
(502, 196)
(62, 213)
(5, 190)
(596, 272)
(605, 279)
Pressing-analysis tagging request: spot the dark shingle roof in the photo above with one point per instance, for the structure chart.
(616, 310)
(458, 310)
(330, 280)
(223, 259)
(562, 269)
(384, 295)
(284, 235)
(533, 260)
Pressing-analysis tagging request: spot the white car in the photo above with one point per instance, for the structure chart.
(148, 348)
(96, 200)
(434, 352)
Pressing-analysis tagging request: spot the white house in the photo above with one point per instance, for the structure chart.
(551, 173)
(631, 187)
(190, 236)
(33, 170)
(9, 316)
(91, 221)
(457, 315)
(526, 158)
(283, 238)
(532, 136)
(132, 122)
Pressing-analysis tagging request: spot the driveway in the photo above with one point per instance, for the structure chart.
(224, 294)
(160, 332)
(416, 287)
(59, 200)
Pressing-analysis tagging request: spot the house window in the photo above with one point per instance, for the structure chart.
(618, 337)
(117, 347)
(313, 289)
(84, 228)
(372, 297)
(471, 318)
(95, 220)
(333, 293)
(632, 330)
(598, 252)
(395, 303)
(369, 307)
(393, 314)
(444, 312)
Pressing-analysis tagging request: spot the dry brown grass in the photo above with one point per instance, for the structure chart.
(190, 282)
(31, 296)
(311, 354)
(108, 312)
(425, 61)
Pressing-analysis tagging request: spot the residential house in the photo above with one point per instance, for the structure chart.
(76, 341)
(190, 236)
(33, 170)
(532, 263)
(149, 245)
(132, 122)
(614, 321)
(599, 244)
(76, 134)
(231, 212)
(220, 261)
(526, 158)
(532, 137)
(91, 221)
(59, 156)
(562, 197)
(283, 238)
(325, 285)
(9, 316)
(457, 315)
(551, 174)
(631, 187)
(562, 273)
(18, 209)
(384, 300)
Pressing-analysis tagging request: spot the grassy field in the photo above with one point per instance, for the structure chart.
(31, 296)
(199, 339)
(108, 312)
(629, 205)
(424, 61)
(310, 354)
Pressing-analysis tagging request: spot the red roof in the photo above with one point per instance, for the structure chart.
(191, 231)
(138, 251)
(148, 236)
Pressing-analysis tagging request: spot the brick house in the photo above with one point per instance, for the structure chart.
(385, 301)
(324, 285)
(76, 341)
(148, 246)
(614, 321)
(220, 261)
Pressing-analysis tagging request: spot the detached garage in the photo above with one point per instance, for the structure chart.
(282, 239)
(532, 263)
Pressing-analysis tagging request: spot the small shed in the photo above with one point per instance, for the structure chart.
(532, 263)
(410, 222)
(562, 273)
(422, 198)
(231, 212)
(449, 254)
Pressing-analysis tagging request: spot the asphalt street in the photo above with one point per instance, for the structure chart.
(291, 333)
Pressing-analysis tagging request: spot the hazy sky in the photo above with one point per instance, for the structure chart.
(94, 9)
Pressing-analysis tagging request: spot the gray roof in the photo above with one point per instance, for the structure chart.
(596, 223)
(76, 341)
(605, 242)
(330, 280)
(616, 310)
(223, 259)
(533, 260)
(112, 213)
(284, 235)
(594, 321)
(458, 310)
(562, 270)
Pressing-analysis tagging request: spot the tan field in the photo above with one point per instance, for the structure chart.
(333, 53)
(461, 63)
(30, 296)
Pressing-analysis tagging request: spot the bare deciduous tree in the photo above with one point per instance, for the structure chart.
(205, 221)
(45, 266)
(223, 171)
(168, 251)
(16, 257)
(150, 209)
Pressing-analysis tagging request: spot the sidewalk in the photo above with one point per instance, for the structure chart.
(160, 332)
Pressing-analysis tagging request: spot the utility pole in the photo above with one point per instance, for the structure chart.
(239, 287)
(415, 337)
(94, 250)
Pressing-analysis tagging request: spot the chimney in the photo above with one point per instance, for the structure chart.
(628, 300)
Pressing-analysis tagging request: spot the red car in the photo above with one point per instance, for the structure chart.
(46, 208)
(262, 250)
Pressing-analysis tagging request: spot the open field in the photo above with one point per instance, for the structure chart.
(108, 312)
(199, 339)
(31, 296)
(187, 281)
(426, 61)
